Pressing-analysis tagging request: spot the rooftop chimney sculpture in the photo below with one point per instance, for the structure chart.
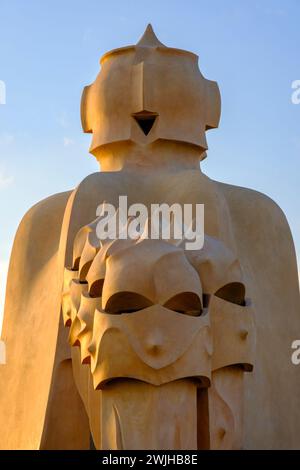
(138, 342)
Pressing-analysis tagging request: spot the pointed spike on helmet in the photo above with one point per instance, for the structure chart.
(149, 39)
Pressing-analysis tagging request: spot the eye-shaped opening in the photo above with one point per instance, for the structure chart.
(233, 292)
(96, 288)
(187, 303)
(76, 262)
(84, 270)
(126, 302)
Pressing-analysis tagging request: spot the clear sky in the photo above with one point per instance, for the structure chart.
(50, 49)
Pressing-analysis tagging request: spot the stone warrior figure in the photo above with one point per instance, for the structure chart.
(140, 343)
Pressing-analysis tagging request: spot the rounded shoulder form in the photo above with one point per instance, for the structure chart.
(253, 206)
(38, 233)
(263, 234)
(46, 208)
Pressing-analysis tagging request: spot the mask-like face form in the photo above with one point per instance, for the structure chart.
(148, 92)
(135, 309)
(147, 314)
(139, 309)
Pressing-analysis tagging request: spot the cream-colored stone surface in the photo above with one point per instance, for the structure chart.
(142, 344)
(36, 381)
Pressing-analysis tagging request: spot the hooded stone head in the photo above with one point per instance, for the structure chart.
(150, 92)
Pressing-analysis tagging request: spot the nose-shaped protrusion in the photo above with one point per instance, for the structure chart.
(154, 342)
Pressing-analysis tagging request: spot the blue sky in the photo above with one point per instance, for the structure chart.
(49, 50)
